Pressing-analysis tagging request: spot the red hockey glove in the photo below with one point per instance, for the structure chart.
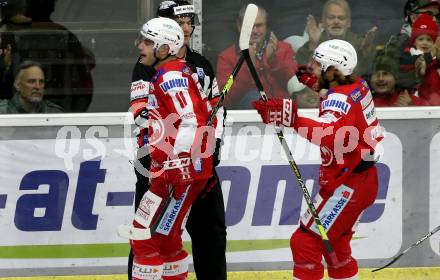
(276, 111)
(306, 77)
(177, 172)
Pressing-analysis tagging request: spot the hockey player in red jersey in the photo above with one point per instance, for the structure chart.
(206, 222)
(347, 132)
(177, 112)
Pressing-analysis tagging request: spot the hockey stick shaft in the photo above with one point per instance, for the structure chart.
(407, 249)
(294, 167)
(226, 88)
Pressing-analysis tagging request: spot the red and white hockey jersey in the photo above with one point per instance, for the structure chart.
(178, 111)
(346, 131)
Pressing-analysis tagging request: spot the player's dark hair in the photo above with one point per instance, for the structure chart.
(339, 78)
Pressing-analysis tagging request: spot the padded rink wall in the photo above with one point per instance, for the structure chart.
(68, 181)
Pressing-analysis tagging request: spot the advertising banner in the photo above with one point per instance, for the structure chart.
(61, 199)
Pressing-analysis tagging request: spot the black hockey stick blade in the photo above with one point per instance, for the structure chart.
(407, 249)
(389, 263)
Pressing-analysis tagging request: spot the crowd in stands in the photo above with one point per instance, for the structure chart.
(404, 71)
(27, 33)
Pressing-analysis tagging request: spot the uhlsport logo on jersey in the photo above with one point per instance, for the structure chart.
(336, 102)
(174, 84)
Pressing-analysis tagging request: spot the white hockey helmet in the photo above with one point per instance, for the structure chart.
(338, 53)
(163, 31)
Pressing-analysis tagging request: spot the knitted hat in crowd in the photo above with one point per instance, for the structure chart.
(424, 24)
(385, 63)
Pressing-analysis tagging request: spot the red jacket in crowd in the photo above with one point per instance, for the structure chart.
(391, 99)
(430, 87)
(274, 75)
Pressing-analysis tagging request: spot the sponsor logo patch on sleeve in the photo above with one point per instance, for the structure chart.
(370, 114)
(336, 102)
(139, 89)
(356, 95)
(200, 73)
(152, 102)
(366, 100)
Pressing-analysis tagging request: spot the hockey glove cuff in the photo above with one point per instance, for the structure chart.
(177, 172)
(277, 111)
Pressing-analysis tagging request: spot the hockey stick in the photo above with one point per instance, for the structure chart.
(407, 249)
(128, 231)
(245, 35)
(294, 167)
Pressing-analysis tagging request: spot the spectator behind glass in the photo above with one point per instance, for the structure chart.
(422, 50)
(421, 58)
(66, 62)
(273, 59)
(414, 8)
(335, 24)
(397, 44)
(29, 86)
(12, 12)
(383, 85)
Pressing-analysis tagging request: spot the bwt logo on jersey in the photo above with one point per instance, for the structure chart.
(336, 105)
(179, 84)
